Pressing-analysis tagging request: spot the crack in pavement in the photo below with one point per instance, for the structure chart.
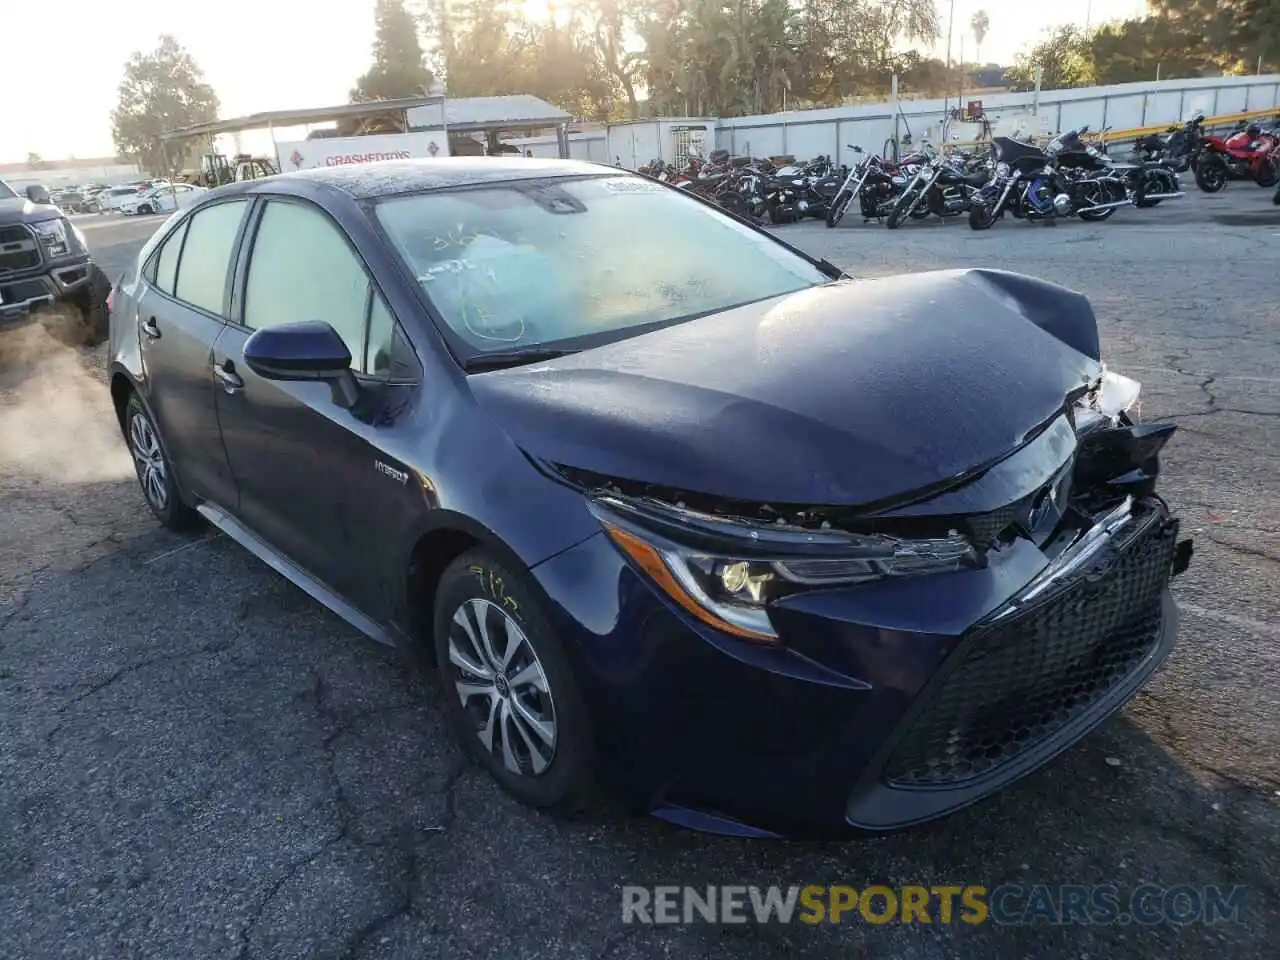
(400, 847)
(614, 941)
(289, 873)
(407, 888)
(1257, 552)
(97, 686)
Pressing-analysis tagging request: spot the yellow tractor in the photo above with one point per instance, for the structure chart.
(216, 169)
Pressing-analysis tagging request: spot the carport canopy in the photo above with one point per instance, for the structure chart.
(513, 113)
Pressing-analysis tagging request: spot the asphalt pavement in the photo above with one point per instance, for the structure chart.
(198, 761)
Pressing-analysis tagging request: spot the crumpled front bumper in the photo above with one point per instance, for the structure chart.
(886, 705)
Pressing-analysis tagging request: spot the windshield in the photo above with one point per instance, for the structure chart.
(535, 262)
(7, 192)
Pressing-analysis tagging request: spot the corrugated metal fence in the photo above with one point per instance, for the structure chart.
(810, 133)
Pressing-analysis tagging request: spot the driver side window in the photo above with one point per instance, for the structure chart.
(302, 268)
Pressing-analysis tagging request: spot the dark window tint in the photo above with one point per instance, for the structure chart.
(303, 268)
(211, 234)
(166, 267)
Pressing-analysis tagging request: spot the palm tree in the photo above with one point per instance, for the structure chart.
(979, 24)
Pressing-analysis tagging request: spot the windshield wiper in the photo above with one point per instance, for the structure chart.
(498, 359)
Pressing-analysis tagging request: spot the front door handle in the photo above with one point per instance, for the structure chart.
(227, 376)
(151, 328)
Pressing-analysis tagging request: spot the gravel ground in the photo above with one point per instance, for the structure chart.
(198, 761)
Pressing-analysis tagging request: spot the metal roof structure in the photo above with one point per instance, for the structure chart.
(519, 111)
(515, 112)
(298, 118)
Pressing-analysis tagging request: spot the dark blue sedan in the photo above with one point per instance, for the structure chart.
(679, 513)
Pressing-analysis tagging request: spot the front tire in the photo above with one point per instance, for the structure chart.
(899, 211)
(981, 217)
(510, 691)
(1268, 173)
(154, 470)
(82, 320)
(838, 207)
(145, 209)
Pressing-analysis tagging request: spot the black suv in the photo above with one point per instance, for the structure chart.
(45, 261)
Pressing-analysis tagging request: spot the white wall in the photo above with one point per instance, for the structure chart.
(808, 133)
(589, 145)
(635, 142)
(69, 176)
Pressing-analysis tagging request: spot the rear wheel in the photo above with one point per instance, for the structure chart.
(1211, 176)
(509, 688)
(734, 202)
(155, 472)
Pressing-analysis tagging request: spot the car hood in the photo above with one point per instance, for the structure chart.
(852, 393)
(22, 210)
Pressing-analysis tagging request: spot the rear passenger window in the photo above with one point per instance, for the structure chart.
(206, 256)
(167, 261)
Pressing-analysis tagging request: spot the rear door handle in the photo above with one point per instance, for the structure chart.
(227, 376)
(151, 328)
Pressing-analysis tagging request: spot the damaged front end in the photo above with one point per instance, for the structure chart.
(1070, 476)
(1035, 589)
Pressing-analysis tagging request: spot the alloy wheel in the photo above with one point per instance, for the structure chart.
(503, 687)
(149, 460)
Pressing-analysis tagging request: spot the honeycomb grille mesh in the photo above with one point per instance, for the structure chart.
(1022, 679)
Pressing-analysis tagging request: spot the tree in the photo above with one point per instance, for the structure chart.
(161, 91)
(398, 68)
(1144, 49)
(1242, 29)
(979, 23)
(1064, 56)
(611, 20)
(35, 161)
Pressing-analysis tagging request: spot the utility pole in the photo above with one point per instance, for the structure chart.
(946, 100)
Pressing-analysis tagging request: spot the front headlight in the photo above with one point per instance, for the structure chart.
(54, 237)
(727, 572)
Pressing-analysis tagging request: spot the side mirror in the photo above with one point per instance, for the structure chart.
(38, 194)
(310, 350)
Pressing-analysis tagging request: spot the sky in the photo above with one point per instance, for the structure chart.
(277, 55)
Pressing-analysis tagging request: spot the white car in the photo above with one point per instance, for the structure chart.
(164, 199)
(112, 199)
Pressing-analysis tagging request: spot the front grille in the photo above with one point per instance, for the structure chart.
(18, 250)
(1023, 678)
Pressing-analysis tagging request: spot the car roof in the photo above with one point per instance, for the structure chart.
(385, 178)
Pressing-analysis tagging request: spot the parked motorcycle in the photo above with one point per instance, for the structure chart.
(1146, 183)
(1245, 155)
(792, 193)
(942, 186)
(1179, 150)
(1025, 186)
(870, 182)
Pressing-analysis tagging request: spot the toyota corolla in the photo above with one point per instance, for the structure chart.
(679, 513)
